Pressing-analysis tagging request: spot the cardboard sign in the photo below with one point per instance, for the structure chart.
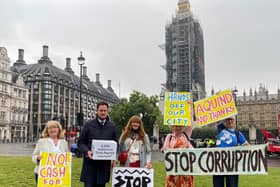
(177, 108)
(55, 170)
(215, 108)
(136, 177)
(104, 149)
(246, 160)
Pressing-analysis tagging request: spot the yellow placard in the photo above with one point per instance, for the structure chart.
(55, 170)
(215, 108)
(177, 109)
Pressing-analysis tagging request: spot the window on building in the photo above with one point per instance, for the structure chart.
(66, 92)
(46, 117)
(35, 97)
(3, 101)
(4, 88)
(18, 118)
(274, 124)
(251, 118)
(72, 94)
(24, 94)
(273, 116)
(36, 85)
(240, 117)
(2, 115)
(14, 117)
(61, 90)
(47, 96)
(274, 107)
(46, 107)
(35, 117)
(47, 85)
(35, 107)
(261, 116)
(61, 100)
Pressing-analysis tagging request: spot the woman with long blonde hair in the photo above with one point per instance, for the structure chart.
(52, 141)
(135, 142)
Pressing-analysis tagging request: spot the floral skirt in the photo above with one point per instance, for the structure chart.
(179, 181)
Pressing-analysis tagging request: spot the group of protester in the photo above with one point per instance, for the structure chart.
(135, 143)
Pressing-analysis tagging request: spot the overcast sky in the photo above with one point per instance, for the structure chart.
(120, 39)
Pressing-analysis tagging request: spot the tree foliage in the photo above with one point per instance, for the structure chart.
(138, 104)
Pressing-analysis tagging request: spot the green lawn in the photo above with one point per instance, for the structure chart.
(18, 172)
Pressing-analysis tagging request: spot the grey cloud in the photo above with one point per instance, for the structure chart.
(120, 38)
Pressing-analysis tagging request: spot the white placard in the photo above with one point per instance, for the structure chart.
(104, 149)
(238, 160)
(136, 177)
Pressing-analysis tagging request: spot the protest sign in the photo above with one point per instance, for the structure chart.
(247, 160)
(136, 177)
(104, 149)
(177, 108)
(55, 170)
(215, 108)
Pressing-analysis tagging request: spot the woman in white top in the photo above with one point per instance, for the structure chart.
(135, 141)
(52, 141)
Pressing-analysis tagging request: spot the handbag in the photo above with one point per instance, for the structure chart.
(124, 154)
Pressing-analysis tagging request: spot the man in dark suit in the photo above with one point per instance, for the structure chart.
(96, 173)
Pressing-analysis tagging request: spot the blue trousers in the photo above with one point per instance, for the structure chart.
(231, 180)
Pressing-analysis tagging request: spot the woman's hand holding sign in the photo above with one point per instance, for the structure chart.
(90, 154)
(39, 157)
(149, 165)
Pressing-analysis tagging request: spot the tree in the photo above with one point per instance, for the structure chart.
(163, 129)
(138, 104)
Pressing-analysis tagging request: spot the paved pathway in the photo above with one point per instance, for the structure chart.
(16, 149)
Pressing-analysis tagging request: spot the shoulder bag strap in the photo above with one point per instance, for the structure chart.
(131, 144)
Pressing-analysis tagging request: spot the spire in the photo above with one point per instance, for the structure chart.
(244, 95)
(184, 6)
(212, 91)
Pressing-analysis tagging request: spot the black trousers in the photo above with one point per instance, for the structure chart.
(94, 185)
(36, 178)
(231, 180)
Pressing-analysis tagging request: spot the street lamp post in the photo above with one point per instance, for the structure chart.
(81, 62)
(235, 92)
